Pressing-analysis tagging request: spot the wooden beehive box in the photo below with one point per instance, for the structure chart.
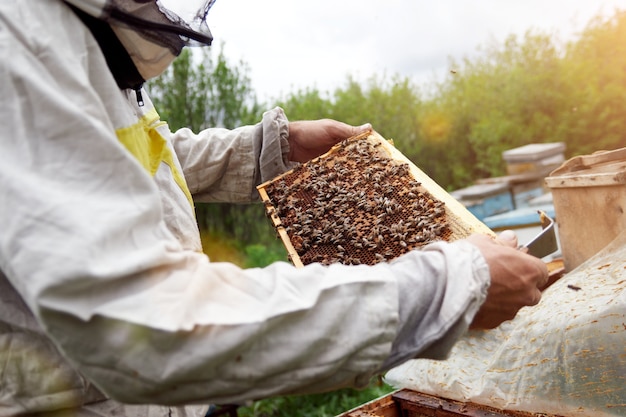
(409, 403)
(363, 202)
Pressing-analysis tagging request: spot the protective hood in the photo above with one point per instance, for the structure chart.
(170, 23)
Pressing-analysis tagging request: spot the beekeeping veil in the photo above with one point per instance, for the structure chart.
(153, 32)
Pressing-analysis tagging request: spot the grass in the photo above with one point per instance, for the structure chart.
(318, 405)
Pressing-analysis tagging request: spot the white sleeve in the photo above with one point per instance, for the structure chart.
(439, 301)
(223, 165)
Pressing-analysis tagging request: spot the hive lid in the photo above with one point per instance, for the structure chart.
(533, 152)
(478, 191)
(601, 168)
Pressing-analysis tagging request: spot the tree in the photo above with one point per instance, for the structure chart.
(509, 96)
(594, 71)
(199, 91)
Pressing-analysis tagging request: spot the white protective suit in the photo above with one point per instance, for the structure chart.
(105, 295)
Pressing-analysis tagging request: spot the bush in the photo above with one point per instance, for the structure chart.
(258, 255)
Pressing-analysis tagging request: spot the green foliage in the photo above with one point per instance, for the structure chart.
(258, 255)
(317, 405)
(507, 97)
(199, 91)
(222, 248)
(307, 104)
(245, 223)
(594, 72)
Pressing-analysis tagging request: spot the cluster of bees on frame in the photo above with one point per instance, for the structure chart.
(355, 205)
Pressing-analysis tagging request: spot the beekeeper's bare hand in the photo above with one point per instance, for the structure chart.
(515, 279)
(311, 138)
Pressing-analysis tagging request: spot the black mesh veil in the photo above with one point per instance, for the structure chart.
(158, 21)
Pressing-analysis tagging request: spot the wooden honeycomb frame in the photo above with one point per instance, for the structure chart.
(450, 222)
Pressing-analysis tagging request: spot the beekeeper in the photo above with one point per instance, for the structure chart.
(106, 299)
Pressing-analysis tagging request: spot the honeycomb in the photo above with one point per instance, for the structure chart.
(360, 203)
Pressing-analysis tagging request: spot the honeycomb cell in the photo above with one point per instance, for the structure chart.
(353, 205)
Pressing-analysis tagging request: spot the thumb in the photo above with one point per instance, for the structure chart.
(361, 129)
(508, 238)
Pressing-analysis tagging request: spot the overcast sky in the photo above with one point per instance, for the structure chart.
(293, 44)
